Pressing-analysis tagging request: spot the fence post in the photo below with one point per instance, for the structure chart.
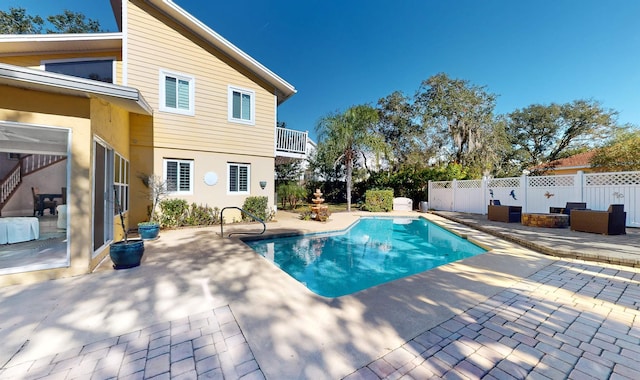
(454, 188)
(579, 185)
(484, 194)
(524, 184)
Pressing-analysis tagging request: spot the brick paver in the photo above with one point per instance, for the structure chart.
(207, 345)
(562, 322)
(573, 319)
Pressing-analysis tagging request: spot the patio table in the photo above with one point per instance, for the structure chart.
(550, 220)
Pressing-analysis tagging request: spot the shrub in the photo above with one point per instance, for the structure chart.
(291, 194)
(202, 215)
(258, 206)
(378, 200)
(173, 212)
(178, 213)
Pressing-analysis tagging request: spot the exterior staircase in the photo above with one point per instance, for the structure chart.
(27, 165)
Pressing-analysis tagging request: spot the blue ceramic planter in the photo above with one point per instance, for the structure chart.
(126, 255)
(148, 231)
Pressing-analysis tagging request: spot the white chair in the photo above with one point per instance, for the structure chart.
(62, 216)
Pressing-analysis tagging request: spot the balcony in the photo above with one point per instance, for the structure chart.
(291, 143)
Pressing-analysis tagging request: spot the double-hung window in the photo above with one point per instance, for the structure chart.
(178, 175)
(121, 183)
(242, 105)
(177, 93)
(239, 175)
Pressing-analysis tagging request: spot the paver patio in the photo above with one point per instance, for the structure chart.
(206, 307)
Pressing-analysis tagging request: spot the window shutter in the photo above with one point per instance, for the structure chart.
(243, 179)
(233, 178)
(183, 94)
(185, 174)
(172, 176)
(236, 105)
(170, 92)
(246, 107)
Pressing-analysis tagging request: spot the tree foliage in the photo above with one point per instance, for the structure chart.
(544, 133)
(620, 154)
(458, 118)
(397, 126)
(17, 21)
(347, 137)
(72, 22)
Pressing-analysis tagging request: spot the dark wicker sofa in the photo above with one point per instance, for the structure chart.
(610, 222)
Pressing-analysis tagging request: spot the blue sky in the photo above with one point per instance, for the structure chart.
(342, 53)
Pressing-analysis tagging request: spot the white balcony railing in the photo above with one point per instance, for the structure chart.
(291, 143)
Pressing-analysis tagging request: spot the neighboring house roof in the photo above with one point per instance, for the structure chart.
(577, 161)
(59, 43)
(31, 79)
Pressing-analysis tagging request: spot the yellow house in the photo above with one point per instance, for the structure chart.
(82, 116)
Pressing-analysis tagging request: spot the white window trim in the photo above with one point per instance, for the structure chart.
(191, 174)
(161, 99)
(44, 62)
(248, 166)
(230, 90)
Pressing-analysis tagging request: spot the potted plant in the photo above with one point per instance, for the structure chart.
(157, 190)
(126, 253)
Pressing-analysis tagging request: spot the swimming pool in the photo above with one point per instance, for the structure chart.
(371, 252)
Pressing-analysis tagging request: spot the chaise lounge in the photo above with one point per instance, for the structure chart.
(504, 213)
(610, 222)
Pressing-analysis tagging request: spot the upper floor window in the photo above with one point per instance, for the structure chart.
(238, 178)
(178, 175)
(242, 105)
(96, 69)
(176, 93)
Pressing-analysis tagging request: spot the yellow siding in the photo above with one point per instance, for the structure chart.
(153, 45)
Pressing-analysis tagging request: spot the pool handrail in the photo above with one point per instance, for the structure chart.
(264, 226)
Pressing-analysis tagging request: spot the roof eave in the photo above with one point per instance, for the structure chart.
(23, 77)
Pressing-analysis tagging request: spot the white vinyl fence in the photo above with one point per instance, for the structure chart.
(537, 194)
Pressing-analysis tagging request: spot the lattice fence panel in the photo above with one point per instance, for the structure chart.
(441, 185)
(612, 179)
(504, 182)
(552, 181)
(470, 184)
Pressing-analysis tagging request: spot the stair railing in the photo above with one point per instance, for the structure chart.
(264, 226)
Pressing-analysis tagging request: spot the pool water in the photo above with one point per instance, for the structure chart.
(369, 253)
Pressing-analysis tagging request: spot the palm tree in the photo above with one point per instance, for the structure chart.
(344, 136)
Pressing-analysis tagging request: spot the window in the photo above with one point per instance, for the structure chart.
(176, 93)
(238, 178)
(241, 105)
(178, 175)
(95, 69)
(121, 183)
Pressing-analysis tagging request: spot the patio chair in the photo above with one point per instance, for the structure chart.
(503, 213)
(567, 208)
(610, 222)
